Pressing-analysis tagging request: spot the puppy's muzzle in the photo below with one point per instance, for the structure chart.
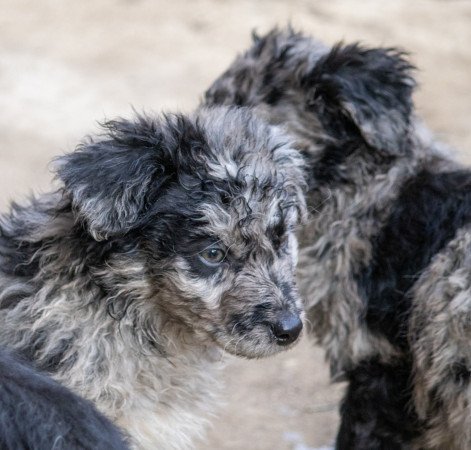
(287, 328)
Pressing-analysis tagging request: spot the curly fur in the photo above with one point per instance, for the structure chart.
(384, 261)
(103, 283)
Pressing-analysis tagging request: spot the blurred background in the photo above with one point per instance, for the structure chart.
(64, 65)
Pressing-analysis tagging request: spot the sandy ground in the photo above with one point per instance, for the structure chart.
(65, 65)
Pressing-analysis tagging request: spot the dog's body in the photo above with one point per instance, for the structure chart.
(170, 241)
(37, 413)
(385, 265)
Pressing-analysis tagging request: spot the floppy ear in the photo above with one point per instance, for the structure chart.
(113, 182)
(363, 93)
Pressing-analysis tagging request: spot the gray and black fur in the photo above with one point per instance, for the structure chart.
(36, 413)
(385, 266)
(170, 241)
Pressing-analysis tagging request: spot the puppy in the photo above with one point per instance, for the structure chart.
(169, 242)
(386, 257)
(39, 414)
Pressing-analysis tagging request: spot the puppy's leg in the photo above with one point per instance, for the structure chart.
(376, 413)
(440, 336)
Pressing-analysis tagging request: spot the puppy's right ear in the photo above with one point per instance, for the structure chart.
(366, 94)
(112, 182)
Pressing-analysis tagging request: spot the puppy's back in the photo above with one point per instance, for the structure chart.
(37, 413)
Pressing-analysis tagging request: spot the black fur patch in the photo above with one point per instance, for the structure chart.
(277, 234)
(38, 413)
(461, 372)
(274, 96)
(325, 169)
(244, 323)
(376, 413)
(427, 214)
(239, 323)
(260, 311)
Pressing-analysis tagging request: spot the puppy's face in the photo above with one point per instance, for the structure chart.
(211, 202)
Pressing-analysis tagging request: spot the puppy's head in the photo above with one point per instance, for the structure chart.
(208, 204)
(349, 107)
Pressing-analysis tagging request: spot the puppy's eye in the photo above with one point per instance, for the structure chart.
(212, 256)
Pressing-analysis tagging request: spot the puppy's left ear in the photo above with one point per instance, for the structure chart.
(113, 181)
(363, 93)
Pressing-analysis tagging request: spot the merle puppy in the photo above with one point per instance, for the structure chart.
(169, 242)
(386, 261)
(37, 413)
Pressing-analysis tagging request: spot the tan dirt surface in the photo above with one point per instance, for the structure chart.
(65, 65)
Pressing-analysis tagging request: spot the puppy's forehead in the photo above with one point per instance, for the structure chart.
(242, 147)
(259, 173)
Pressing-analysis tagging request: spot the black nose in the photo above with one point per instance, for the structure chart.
(286, 330)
